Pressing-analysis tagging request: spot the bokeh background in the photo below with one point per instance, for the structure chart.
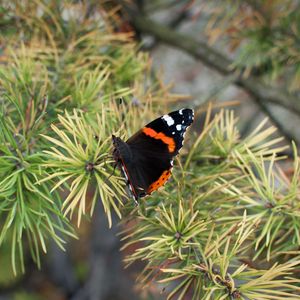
(239, 54)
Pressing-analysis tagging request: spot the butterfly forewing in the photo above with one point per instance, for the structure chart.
(170, 128)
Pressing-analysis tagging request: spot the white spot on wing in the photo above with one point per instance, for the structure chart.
(178, 127)
(180, 111)
(168, 119)
(129, 186)
(124, 172)
(173, 132)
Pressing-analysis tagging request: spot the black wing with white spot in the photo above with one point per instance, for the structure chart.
(174, 125)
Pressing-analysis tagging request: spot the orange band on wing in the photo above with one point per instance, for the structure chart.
(160, 181)
(160, 136)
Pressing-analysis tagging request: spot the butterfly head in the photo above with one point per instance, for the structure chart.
(121, 150)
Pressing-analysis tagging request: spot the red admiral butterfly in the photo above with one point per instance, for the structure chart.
(146, 159)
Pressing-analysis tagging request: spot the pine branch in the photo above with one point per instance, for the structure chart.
(284, 132)
(197, 238)
(80, 160)
(228, 201)
(55, 150)
(214, 59)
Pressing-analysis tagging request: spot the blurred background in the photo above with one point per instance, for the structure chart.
(239, 54)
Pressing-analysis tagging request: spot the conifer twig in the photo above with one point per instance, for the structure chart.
(216, 60)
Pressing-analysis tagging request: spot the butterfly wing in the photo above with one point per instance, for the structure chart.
(153, 149)
(169, 128)
(151, 164)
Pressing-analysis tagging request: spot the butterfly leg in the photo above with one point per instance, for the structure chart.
(112, 173)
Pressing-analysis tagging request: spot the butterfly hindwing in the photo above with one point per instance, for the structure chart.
(151, 159)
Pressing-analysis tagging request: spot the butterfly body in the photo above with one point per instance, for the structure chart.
(146, 158)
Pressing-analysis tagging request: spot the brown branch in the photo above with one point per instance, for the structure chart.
(216, 60)
(174, 23)
(281, 128)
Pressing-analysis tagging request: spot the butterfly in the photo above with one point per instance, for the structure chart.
(146, 158)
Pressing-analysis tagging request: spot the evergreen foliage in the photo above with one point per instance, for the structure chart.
(62, 73)
(264, 34)
(226, 226)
